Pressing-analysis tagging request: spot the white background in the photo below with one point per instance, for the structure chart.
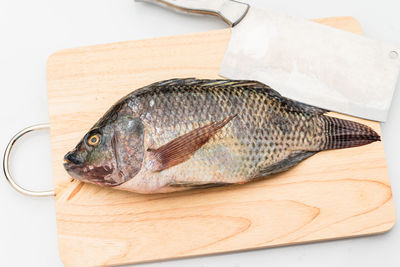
(31, 30)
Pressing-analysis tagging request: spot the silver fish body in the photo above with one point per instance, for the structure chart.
(187, 133)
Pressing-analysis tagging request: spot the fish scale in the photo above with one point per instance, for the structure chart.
(188, 133)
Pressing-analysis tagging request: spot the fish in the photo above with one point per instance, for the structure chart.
(190, 133)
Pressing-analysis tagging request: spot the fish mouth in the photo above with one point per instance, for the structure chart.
(73, 169)
(70, 166)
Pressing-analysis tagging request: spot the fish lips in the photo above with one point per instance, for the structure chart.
(74, 169)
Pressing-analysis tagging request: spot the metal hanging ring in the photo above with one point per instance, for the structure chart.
(6, 158)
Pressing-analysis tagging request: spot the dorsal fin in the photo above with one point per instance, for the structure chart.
(294, 106)
(208, 82)
(183, 147)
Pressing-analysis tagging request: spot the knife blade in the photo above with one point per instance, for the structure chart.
(304, 60)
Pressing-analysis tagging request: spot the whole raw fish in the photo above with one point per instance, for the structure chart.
(187, 133)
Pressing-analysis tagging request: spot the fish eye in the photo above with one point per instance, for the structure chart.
(93, 140)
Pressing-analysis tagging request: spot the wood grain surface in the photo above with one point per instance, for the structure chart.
(334, 194)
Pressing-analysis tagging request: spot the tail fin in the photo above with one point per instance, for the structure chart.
(343, 133)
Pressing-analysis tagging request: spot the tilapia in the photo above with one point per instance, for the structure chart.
(182, 134)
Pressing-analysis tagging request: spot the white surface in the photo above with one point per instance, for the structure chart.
(31, 30)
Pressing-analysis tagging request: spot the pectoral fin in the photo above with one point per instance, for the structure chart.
(183, 147)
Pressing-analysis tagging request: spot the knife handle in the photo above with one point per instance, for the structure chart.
(232, 12)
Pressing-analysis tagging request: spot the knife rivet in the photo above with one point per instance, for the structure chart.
(393, 55)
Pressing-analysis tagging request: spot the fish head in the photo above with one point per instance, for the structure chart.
(110, 154)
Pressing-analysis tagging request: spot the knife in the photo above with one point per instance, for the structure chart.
(303, 60)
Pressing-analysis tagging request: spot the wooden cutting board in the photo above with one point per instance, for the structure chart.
(334, 194)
